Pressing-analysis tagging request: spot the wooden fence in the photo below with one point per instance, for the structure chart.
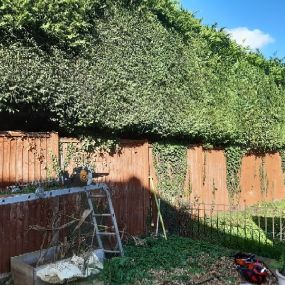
(128, 180)
(26, 157)
(261, 177)
(16, 220)
(20, 162)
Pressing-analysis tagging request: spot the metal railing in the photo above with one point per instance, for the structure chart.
(259, 229)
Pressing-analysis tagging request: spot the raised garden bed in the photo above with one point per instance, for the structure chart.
(24, 268)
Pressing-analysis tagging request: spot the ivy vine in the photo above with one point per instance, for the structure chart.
(83, 153)
(171, 166)
(91, 144)
(263, 176)
(282, 155)
(234, 156)
(170, 161)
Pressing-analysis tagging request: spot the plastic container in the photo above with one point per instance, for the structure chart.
(281, 278)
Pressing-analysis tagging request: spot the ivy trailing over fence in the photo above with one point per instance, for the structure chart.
(263, 176)
(84, 152)
(282, 154)
(170, 161)
(171, 166)
(234, 155)
(91, 144)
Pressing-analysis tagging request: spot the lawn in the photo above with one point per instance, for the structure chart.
(178, 261)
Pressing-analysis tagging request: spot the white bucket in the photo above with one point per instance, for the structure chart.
(281, 278)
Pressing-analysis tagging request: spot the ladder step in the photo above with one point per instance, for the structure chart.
(106, 233)
(111, 251)
(97, 196)
(103, 215)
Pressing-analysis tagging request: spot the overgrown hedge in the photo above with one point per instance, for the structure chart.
(140, 68)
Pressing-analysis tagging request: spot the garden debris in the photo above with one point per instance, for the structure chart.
(220, 272)
(70, 269)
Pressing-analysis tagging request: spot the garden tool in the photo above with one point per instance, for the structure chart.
(252, 269)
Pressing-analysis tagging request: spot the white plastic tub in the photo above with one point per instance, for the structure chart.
(24, 269)
(281, 278)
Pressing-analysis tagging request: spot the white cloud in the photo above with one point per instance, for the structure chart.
(254, 39)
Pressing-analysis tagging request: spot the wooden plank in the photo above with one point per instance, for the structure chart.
(31, 221)
(146, 189)
(37, 158)
(40, 219)
(132, 181)
(5, 243)
(12, 164)
(12, 230)
(19, 229)
(1, 160)
(24, 134)
(6, 162)
(68, 140)
(25, 158)
(43, 156)
(25, 226)
(31, 164)
(53, 150)
(55, 144)
(19, 160)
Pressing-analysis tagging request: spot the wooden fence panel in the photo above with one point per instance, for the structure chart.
(207, 170)
(261, 178)
(128, 180)
(16, 234)
(25, 157)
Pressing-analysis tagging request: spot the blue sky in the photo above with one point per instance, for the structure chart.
(255, 23)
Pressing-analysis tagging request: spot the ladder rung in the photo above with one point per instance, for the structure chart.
(111, 251)
(106, 233)
(97, 196)
(103, 215)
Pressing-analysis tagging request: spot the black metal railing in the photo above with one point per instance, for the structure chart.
(257, 229)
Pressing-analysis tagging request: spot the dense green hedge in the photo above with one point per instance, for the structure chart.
(140, 68)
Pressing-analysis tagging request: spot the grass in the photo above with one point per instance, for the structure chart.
(277, 204)
(141, 262)
(178, 260)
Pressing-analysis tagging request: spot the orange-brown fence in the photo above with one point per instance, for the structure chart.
(16, 235)
(26, 157)
(128, 180)
(261, 177)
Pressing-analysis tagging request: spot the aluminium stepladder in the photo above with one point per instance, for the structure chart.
(104, 193)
